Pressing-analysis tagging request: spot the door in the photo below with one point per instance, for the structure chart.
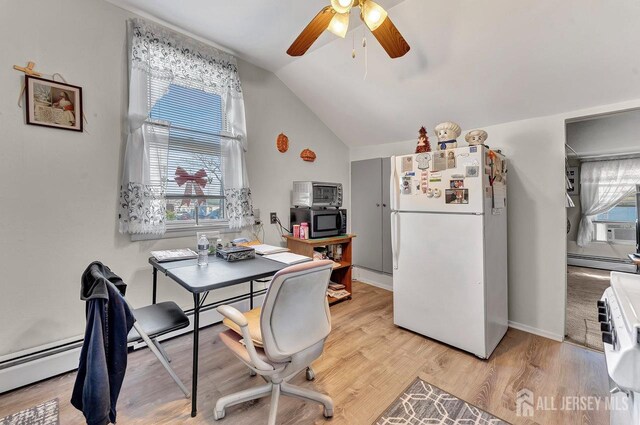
(366, 213)
(387, 255)
(438, 285)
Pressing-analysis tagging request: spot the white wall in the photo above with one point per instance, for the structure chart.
(59, 189)
(273, 109)
(537, 213)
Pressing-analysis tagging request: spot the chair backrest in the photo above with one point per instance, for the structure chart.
(295, 312)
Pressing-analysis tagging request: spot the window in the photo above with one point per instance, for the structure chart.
(617, 225)
(623, 212)
(184, 165)
(194, 182)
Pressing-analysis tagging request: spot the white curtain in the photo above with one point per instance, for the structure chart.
(603, 185)
(158, 58)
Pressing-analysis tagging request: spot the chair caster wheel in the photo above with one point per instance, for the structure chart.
(217, 415)
(310, 374)
(328, 413)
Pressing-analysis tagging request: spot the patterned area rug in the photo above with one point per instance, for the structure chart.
(42, 414)
(423, 403)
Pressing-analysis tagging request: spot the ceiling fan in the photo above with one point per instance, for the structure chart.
(335, 18)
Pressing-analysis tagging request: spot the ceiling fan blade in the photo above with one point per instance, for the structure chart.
(391, 40)
(311, 33)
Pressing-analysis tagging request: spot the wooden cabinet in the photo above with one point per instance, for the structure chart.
(341, 272)
(371, 213)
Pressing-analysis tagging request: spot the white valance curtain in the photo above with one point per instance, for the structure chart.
(603, 185)
(158, 58)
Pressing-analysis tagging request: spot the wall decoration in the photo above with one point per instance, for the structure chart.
(423, 141)
(53, 104)
(456, 196)
(308, 155)
(573, 175)
(447, 133)
(476, 137)
(282, 143)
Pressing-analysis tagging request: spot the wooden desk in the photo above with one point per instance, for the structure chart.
(341, 273)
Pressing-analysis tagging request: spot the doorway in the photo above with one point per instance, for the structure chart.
(603, 177)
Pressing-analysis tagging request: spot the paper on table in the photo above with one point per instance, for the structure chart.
(264, 249)
(288, 258)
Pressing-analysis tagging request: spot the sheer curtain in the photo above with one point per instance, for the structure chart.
(158, 58)
(603, 185)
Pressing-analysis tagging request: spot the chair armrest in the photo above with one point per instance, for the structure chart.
(238, 318)
(233, 314)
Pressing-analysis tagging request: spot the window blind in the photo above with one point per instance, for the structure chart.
(193, 178)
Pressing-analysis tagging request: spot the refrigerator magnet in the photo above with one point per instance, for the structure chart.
(423, 161)
(439, 161)
(407, 164)
(456, 184)
(472, 170)
(437, 193)
(451, 159)
(406, 186)
(456, 196)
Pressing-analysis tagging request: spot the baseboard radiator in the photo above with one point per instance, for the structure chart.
(604, 263)
(42, 363)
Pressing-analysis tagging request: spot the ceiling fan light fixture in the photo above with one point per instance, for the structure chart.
(342, 6)
(339, 25)
(373, 14)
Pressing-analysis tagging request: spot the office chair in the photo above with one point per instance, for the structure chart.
(152, 322)
(293, 324)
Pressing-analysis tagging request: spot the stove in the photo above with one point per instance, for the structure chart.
(619, 317)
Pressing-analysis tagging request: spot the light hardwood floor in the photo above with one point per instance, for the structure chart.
(366, 364)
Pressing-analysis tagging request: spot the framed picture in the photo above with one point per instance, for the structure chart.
(573, 174)
(53, 104)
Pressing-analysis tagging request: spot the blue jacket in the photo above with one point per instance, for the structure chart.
(103, 359)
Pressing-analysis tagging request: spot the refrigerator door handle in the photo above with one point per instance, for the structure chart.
(393, 185)
(395, 234)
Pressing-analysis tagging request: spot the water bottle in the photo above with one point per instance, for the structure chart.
(203, 251)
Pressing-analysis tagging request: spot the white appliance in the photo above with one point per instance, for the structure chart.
(619, 316)
(449, 238)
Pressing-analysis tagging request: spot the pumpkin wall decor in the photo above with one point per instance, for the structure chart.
(282, 143)
(308, 155)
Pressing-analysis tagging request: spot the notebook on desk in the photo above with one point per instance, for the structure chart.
(288, 258)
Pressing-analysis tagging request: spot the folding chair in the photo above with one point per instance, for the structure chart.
(152, 322)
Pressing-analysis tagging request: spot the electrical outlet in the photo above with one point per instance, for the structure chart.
(274, 218)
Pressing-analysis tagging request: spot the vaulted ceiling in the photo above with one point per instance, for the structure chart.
(477, 62)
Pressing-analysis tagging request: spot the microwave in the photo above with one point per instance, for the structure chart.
(316, 194)
(323, 223)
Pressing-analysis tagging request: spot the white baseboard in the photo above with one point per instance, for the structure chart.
(46, 367)
(536, 331)
(370, 277)
(600, 263)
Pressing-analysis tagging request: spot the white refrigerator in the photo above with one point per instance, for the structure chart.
(449, 238)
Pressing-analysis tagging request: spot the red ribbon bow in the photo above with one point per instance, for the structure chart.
(197, 181)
